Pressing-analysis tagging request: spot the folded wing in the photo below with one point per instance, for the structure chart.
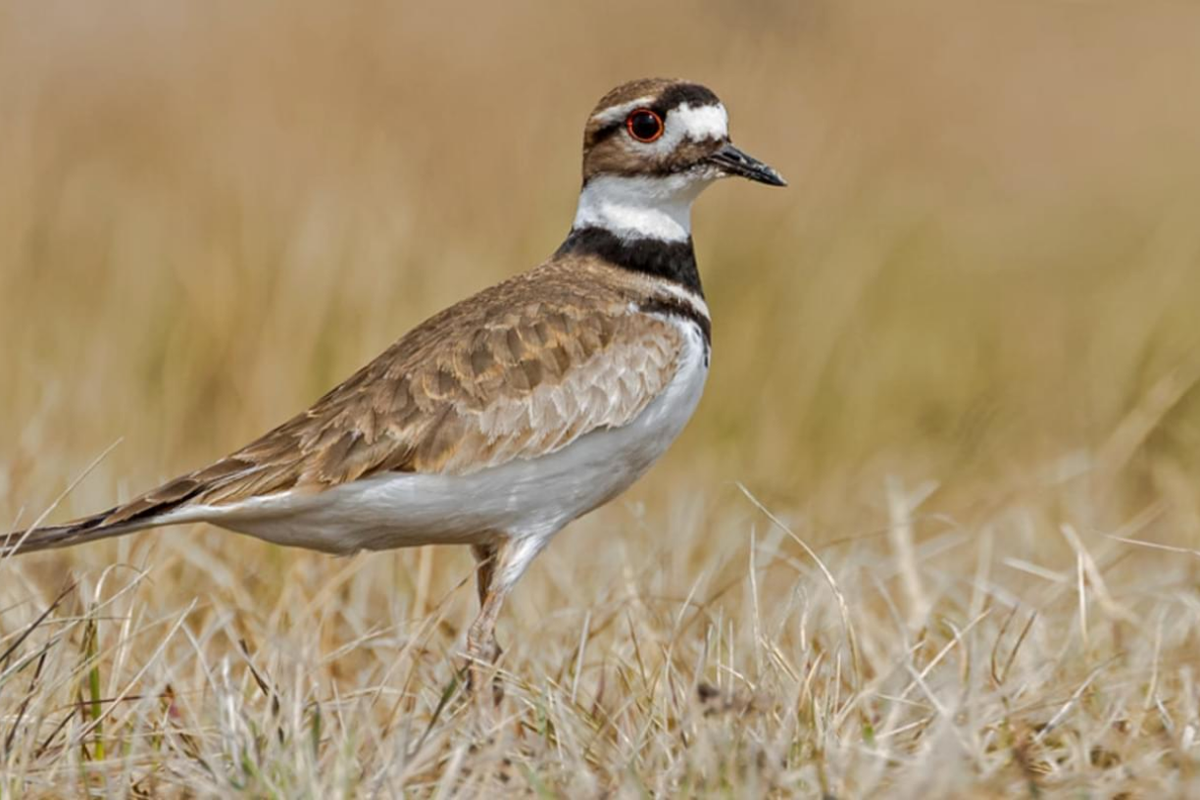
(481, 384)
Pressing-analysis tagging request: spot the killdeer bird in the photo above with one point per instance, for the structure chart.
(498, 421)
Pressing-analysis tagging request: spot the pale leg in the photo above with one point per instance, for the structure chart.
(481, 638)
(498, 568)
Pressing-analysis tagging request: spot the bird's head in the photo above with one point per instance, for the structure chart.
(650, 147)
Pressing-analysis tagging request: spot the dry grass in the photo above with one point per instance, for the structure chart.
(904, 548)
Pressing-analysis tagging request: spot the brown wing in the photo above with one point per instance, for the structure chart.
(520, 370)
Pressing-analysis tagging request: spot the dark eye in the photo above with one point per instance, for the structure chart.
(644, 125)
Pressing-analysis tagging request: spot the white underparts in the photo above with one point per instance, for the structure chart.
(650, 207)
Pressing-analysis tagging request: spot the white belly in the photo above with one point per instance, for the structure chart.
(519, 499)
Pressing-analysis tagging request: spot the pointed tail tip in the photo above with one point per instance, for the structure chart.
(30, 541)
(48, 537)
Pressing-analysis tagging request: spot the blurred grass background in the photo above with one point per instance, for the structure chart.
(984, 275)
(210, 213)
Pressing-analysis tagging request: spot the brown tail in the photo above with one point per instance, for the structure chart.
(88, 529)
(143, 512)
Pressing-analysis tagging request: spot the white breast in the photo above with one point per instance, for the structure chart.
(521, 498)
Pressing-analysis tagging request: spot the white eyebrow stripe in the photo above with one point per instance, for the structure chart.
(701, 122)
(615, 113)
(696, 123)
(686, 121)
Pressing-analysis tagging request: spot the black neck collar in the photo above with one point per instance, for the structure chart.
(674, 261)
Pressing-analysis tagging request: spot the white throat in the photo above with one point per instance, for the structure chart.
(649, 207)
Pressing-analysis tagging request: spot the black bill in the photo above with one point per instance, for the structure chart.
(735, 162)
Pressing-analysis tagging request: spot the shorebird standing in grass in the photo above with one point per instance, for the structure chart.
(498, 421)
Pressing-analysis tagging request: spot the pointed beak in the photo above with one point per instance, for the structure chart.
(734, 162)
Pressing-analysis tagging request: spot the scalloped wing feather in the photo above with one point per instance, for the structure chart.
(495, 378)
